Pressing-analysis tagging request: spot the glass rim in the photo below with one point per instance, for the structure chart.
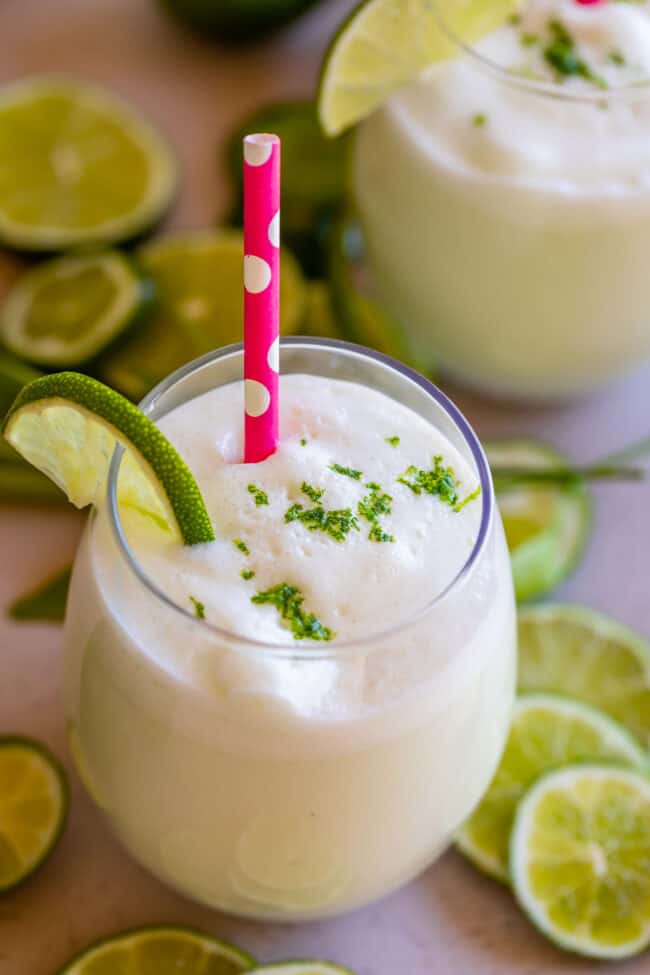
(299, 649)
(545, 89)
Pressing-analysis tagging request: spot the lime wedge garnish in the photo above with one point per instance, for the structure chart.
(33, 807)
(78, 166)
(547, 732)
(302, 968)
(64, 312)
(546, 527)
(579, 855)
(198, 280)
(235, 20)
(573, 650)
(67, 426)
(161, 950)
(386, 44)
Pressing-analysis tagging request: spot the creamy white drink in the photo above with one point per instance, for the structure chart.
(335, 701)
(506, 201)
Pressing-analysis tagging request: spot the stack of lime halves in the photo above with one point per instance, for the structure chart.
(566, 819)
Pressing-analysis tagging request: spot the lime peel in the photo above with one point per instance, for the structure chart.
(67, 424)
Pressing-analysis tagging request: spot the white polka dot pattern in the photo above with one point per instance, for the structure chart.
(257, 274)
(257, 397)
(273, 356)
(257, 153)
(274, 230)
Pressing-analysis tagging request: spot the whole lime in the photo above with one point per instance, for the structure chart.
(235, 20)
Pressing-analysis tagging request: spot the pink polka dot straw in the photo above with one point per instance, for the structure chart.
(261, 294)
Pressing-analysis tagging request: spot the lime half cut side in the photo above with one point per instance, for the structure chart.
(576, 651)
(546, 527)
(67, 425)
(33, 808)
(65, 311)
(580, 852)
(547, 731)
(77, 166)
(161, 950)
(386, 44)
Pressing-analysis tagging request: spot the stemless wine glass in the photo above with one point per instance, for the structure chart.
(241, 800)
(507, 222)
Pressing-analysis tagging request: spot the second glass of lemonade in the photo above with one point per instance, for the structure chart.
(293, 720)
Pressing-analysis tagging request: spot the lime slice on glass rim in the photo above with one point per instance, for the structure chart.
(78, 165)
(67, 425)
(33, 808)
(302, 968)
(576, 651)
(65, 311)
(547, 731)
(198, 282)
(546, 526)
(579, 857)
(386, 44)
(165, 950)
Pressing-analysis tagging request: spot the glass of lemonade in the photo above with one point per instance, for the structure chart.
(505, 199)
(293, 720)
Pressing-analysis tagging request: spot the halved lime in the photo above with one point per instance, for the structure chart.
(547, 732)
(64, 312)
(387, 43)
(77, 166)
(580, 856)
(547, 526)
(33, 808)
(198, 280)
(574, 650)
(161, 950)
(302, 968)
(67, 425)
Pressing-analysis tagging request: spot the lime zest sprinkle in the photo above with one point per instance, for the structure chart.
(393, 441)
(479, 120)
(199, 608)
(303, 441)
(336, 522)
(241, 545)
(260, 497)
(313, 493)
(377, 534)
(346, 471)
(288, 601)
(440, 481)
(247, 574)
(562, 54)
(470, 497)
(371, 507)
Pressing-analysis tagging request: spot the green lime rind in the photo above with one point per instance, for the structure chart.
(17, 867)
(547, 732)
(306, 967)
(236, 21)
(159, 462)
(64, 312)
(163, 949)
(80, 166)
(198, 282)
(547, 527)
(385, 44)
(567, 649)
(579, 854)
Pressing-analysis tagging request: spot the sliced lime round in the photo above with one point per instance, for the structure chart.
(64, 312)
(67, 425)
(78, 166)
(387, 43)
(198, 281)
(574, 650)
(547, 732)
(163, 950)
(33, 808)
(580, 851)
(547, 526)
